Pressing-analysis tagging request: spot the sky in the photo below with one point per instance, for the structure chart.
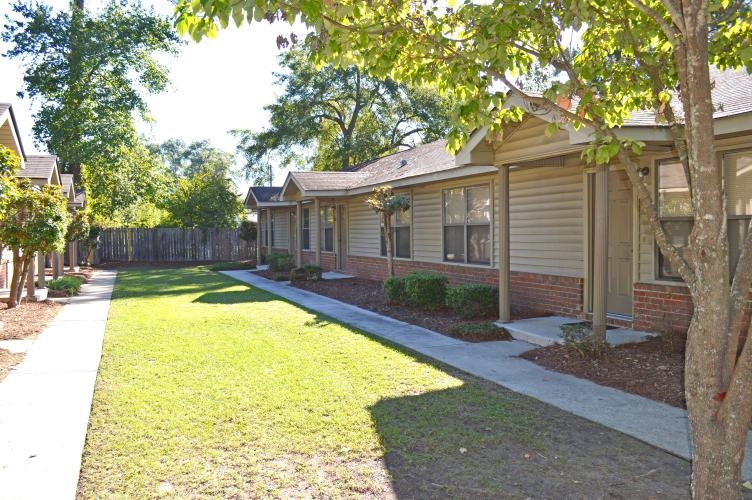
(217, 85)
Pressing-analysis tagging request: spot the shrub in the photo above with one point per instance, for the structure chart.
(479, 331)
(579, 336)
(281, 262)
(473, 301)
(313, 273)
(233, 266)
(298, 274)
(426, 290)
(69, 284)
(394, 290)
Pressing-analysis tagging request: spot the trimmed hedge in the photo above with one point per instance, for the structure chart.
(426, 290)
(281, 262)
(394, 290)
(69, 284)
(473, 301)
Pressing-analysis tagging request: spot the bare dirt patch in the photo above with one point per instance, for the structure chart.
(652, 369)
(23, 322)
(369, 294)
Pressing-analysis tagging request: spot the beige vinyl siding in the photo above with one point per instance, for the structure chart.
(530, 140)
(646, 248)
(281, 227)
(364, 228)
(427, 223)
(547, 220)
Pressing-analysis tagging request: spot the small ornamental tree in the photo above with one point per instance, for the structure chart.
(78, 228)
(33, 220)
(386, 203)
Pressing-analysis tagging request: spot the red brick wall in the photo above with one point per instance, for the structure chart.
(328, 259)
(540, 294)
(656, 307)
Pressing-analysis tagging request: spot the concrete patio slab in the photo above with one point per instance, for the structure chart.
(655, 423)
(333, 275)
(546, 331)
(45, 401)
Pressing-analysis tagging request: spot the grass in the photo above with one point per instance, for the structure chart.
(209, 388)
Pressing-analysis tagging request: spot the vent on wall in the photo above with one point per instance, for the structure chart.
(557, 161)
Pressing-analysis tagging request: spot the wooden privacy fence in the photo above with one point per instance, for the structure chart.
(172, 245)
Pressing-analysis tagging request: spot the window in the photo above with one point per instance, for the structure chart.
(306, 229)
(401, 222)
(327, 229)
(675, 207)
(467, 225)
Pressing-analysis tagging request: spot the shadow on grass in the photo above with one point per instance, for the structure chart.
(233, 297)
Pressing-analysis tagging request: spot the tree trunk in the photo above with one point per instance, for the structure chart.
(388, 241)
(18, 280)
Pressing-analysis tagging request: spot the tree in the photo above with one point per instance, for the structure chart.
(186, 160)
(386, 204)
(78, 226)
(205, 200)
(329, 119)
(89, 73)
(119, 188)
(632, 55)
(33, 220)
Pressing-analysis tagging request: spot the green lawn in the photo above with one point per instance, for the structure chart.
(209, 388)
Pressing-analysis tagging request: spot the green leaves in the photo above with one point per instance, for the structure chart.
(330, 118)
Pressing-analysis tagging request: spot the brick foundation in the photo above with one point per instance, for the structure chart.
(545, 294)
(532, 294)
(658, 307)
(328, 259)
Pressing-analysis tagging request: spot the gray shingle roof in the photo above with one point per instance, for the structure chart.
(328, 181)
(38, 167)
(420, 160)
(731, 94)
(264, 193)
(80, 197)
(67, 182)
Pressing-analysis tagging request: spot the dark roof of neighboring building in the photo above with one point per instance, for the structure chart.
(265, 193)
(38, 167)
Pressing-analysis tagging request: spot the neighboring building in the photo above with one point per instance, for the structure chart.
(10, 138)
(41, 170)
(274, 220)
(530, 197)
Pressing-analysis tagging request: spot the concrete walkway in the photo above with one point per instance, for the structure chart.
(655, 423)
(45, 401)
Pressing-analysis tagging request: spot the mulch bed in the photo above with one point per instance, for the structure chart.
(652, 369)
(369, 294)
(22, 322)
